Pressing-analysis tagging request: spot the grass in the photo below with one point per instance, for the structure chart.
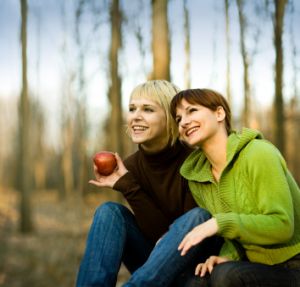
(49, 256)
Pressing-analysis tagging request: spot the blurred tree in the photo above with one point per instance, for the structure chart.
(38, 145)
(187, 46)
(67, 110)
(228, 48)
(115, 125)
(245, 58)
(25, 173)
(160, 40)
(279, 120)
(81, 104)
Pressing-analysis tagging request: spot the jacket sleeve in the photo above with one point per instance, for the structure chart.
(272, 218)
(150, 219)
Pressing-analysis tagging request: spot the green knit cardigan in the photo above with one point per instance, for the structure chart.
(256, 202)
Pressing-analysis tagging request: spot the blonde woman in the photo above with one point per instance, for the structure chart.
(150, 181)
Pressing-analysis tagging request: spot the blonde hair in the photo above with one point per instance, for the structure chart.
(162, 92)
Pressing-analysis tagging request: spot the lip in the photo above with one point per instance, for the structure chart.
(191, 131)
(138, 128)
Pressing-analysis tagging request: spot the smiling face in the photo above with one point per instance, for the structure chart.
(198, 124)
(147, 124)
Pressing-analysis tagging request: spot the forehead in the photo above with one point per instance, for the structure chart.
(143, 102)
(183, 104)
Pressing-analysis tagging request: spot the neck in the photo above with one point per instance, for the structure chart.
(215, 151)
(155, 147)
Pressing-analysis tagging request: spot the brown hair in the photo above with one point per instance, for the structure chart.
(204, 97)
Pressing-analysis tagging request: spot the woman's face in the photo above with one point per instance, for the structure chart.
(147, 124)
(196, 123)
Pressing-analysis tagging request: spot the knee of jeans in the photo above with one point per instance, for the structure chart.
(226, 275)
(110, 209)
(199, 214)
(192, 218)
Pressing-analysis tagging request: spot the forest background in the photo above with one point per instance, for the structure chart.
(66, 72)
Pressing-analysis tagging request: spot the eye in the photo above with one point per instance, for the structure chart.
(191, 110)
(177, 120)
(148, 109)
(131, 108)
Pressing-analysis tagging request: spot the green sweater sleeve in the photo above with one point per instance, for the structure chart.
(232, 250)
(271, 221)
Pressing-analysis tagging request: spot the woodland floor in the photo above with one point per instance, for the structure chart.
(50, 255)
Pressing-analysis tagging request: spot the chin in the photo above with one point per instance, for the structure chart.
(137, 140)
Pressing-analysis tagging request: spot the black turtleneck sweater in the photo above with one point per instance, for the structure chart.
(155, 190)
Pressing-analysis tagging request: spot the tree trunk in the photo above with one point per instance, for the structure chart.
(160, 40)
(279, 130)
(187, 47)
(25, 167)
(245, 57)
(228, 48)
(81, 104)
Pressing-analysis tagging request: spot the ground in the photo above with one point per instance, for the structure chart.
(50, 255)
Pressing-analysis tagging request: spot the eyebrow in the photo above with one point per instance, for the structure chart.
(144, 105)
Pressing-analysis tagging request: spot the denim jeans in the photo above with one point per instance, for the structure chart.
(248, 274)
(165, 262)
(114, 237)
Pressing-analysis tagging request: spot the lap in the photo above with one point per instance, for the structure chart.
(248, 274)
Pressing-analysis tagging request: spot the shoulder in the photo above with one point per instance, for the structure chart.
(258, 148)
(262, 152)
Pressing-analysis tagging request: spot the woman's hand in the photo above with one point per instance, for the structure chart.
(109, 180)
(209, 264)
(198, 234)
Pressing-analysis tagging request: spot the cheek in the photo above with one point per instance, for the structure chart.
(180, 131)
(128, 119)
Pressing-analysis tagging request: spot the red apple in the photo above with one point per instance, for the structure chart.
(105, 161)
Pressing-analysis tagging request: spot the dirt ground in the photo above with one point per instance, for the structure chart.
(50, 255)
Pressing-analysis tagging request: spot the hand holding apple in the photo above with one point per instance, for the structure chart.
(109, 180)
(105, 162)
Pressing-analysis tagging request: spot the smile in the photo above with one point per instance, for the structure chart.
(191, 131)
(139, 128)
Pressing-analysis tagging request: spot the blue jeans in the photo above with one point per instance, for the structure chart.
(165, 262)
(114, 237)
(248, 274)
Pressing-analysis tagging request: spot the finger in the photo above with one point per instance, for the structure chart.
(119, 160)
(95, 182)
(203, 270)
(211, 263)
(198, 269)
(183, 242)
(186, 248)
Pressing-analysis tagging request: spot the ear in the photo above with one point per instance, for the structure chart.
(220, 113)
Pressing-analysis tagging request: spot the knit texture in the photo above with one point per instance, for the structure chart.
(256, 202)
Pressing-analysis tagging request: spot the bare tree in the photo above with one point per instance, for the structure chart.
(245, 58)
(160, 40)
(116, 118)
(187, 46)
(26, 224)
(66, 116)
(278, 102)
(81, 110)
(228, 48)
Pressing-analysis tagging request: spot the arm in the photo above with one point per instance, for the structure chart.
(272, 220)
(151, 220)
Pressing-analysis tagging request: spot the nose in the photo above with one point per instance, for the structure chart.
(135, 115)
(184, 122)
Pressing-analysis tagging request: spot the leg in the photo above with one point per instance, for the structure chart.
(112, 228)
(165, 262)
(247, 274)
